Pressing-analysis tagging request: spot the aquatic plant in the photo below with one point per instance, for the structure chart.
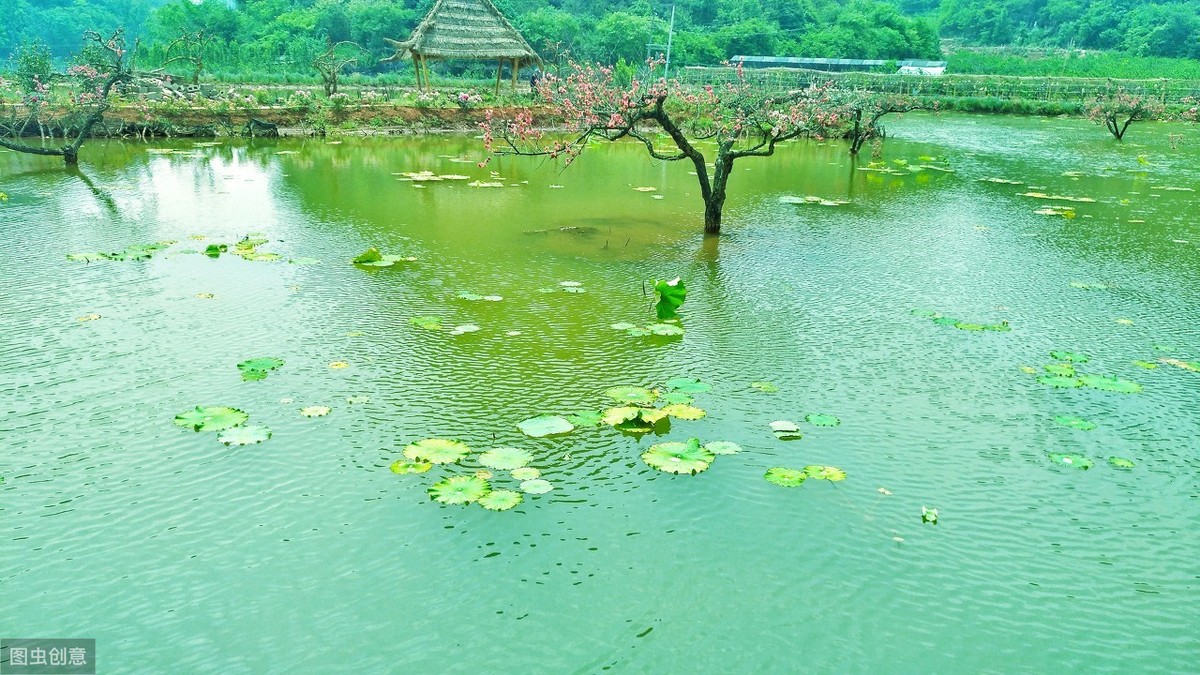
(536, 486)
(822, 420)
(404, 467)
(670, 295)
(500, 500)
(785, 477)
(1070, 459)
(244, 435)
(545, 425)
(786, 430)
(459, 490)
(674, 457)
(1075, 422)
(211, 418)
(437, 451)
(257, 369)
(505, 458)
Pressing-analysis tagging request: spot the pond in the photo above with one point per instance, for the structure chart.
(921, 313)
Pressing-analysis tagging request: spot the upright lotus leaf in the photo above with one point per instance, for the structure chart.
(545, 425)
(785, 477)
(765, 387)
(679, 458)
(822, 420)
(1077, 461)
(459, 490)
(505, 458)
(586, 418)
(215, 250)
(426, 322)
(500, 500)
(1075, 422)
(369, 256)
(1073, 357)
(665, 329)
(929, 515)
(723, 447)
(683, 412)
(247, 435)
(1114, 384)
(671, 295)
(829, 473)
(615, 416)
(1120, 463)
(688, 385)
(403, 467)
(211, 418)
(536, 486)
(786, 430)
(676, 397)
(1063, 369)
(437, 451)
(315, 411)
(525, 473)
(632, 395)
(1060, 381)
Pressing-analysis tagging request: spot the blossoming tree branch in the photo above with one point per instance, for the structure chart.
(669, 121)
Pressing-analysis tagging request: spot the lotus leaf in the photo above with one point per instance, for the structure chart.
(262, 257)
(493, 298)
(962, 325)
(1148, 365)
(403, 467)
(665, 329)
(304, 261)
(86, 257)
(785, 477)
(459, 490)
(315, 411)
(573, 289)
(536, 486)
(378, 263)
(678, 458)
(505, 458)
(1114, 384)
(688, 385)
(634, 395)
(1029, 370)
(925, 314)
(1077, 461)
(829, 473)
(638, 332)
(205, 296)
(1064, 369)
(723, 447)
(570, 284)
(484, 474)
(256, 369)
(784, 427)
(1073, 357)
(929, 515)
(615, 416)
(369, 256)
(426, 322)
(545, 425)
(671, 295)
(211, 418)
(88, 317)
(437, 451)
(1120, 463)
(1060, 381)
(1125, 322)
(676, 397)
(622, 325)
(945, 321)
(338, 365)
(465, 328)
(398, 258)
(500, 500)
(247, 435)
(525, 473)
(765, 387)
(586, 418)
(1075, 422)
(683, 412)
(1185, 365)
(469, 296)
(821, 420)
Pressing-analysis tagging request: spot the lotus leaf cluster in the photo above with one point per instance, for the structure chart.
(257, 369)
(667, 328)
(230, 423)
(373, 258)
(785, 477)
(1069, 459)
(134, 252)
(941, 320)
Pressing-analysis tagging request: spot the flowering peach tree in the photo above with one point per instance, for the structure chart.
(669, 120)
(867, 108)
(1117, 110)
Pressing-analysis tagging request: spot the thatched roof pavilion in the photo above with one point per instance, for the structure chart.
(465, 29)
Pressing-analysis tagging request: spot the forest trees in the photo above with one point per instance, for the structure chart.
(742, 121)
(102, 65)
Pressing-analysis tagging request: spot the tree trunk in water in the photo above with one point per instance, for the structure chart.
(715, 202)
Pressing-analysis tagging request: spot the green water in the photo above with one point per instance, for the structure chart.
(306, 554)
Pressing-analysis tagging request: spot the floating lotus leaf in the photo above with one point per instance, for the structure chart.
(1089, 287)
(1185, 365)
(1114, 384)
(586, 418)
(963, 325)
(784, 426)
(679, 458)
(570, 284)
(426, 322)
(688, 385)
(785, 477)
(484, 474)
(88, 317)
(500, 500)
(493, 298)
(676, 397)
(304, 261)
(925, 314)
(1120, 463)
(256, 369)
(683, 412)
(86, 257)
(398, 258)
(369, 256)
(1125, 322)
(622, 325)
(248, 435)
(1148, 365)
(829, 473)
(469, 296)
(765, 387)
(615, 416)
(1073, 357)
(1075, 422)
(573, 289)
(338, 365)
(929, 515)
(638, 332)
(465, 328)
(315, 411)
(1064, 369)
(205, 296)
(1162, 348)
(525, 473)
(545, 425)
(821, 420)
(1060, 381)
(671, 294)
(945, 321)
(459, 490)
(537, 486)
(1001, 327)
(1077, 461)
(634, 395)
(505, 458)
(665, 329)
(723, 447)
(378, 263)
(437, 451)
(262, 257)
(211, 418)
(403, 467)
(1029, 370)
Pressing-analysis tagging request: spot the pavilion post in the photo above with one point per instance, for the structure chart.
(417, 71)
(516, 67)
(425, 69)
(499, 70)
